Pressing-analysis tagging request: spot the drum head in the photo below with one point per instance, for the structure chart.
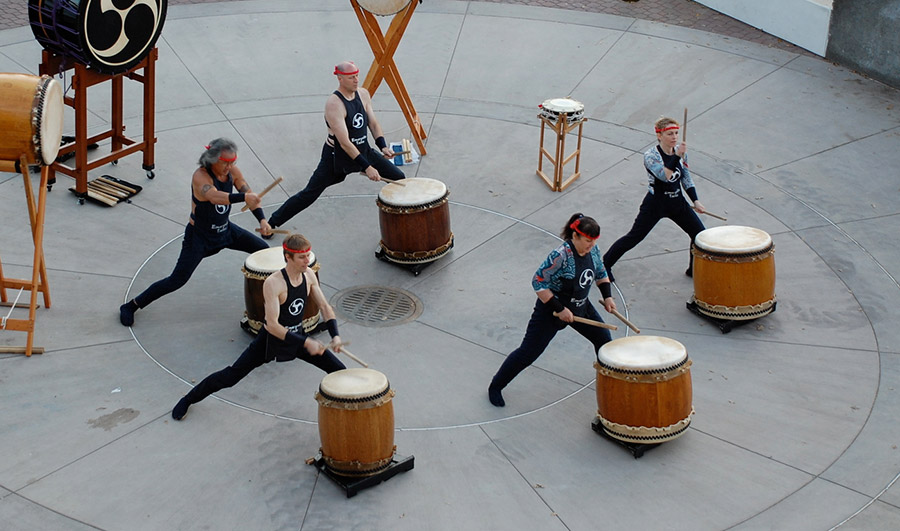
(642, 353)
(270, 260)
(561, 105)
(733, 239)
(383, 7)
(354, 383)
(414, 192)
(51, 120)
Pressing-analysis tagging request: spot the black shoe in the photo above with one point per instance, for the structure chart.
(496, 397)
(180, 409)
(689, 272)
(126, 313)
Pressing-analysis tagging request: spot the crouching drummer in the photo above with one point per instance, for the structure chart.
(286, 293)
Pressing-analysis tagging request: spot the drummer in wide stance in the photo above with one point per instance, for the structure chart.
(348, 117)
(667, 173)
(286, 293)
(209, 230)
(562, 283)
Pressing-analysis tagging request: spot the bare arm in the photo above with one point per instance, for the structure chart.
(374, 126)
(205, 190)
(315, 292)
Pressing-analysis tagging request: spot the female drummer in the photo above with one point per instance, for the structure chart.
(208, 231)
(667, 173)
(562, 283)
(286, 293)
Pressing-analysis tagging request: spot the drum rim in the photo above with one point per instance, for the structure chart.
(51, 106)
(547, 104)
(412, 181)
(729, 230)
(656, 368)
(382, 12)
(371, 394)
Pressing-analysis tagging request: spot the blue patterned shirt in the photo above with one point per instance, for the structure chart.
(560, 265)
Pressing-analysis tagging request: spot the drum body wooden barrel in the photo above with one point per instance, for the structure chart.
(356, 421)
(31, 118)
(415, 221)
(644, 392)
(734, 272)
(257, 268)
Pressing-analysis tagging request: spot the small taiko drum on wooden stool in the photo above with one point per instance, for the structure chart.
(644, 393)
(31, 118)
(734, 273)
(356, 422)
(383, 7)
(415, 221)
(257, 268)
(552, 109)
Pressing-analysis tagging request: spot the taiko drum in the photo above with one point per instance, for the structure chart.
(415, 220)
(644, 392)
(356, 421)
(257, 268)
(734, 272)
(31, 118)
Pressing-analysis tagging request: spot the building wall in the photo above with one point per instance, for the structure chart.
(865, 36)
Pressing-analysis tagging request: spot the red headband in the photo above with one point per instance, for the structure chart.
(288, 249)
(232, 159)
(339, 73)
(574, 226)
(673, 126)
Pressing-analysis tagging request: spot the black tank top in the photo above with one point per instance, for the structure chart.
(668, 189)
(291, 314)
(357, 122)
(575, 291)
(211, 220)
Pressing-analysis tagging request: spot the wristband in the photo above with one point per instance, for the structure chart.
(605, 290)
(380, 142)
(556, 305)
(692, 193)
(258, 213)
(294, 338)
(362, 161)
(236, 198)
(331, 324)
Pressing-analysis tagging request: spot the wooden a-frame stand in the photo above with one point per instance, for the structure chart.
(52, 64)
(562, 128)
(38, 282)
(383, 66)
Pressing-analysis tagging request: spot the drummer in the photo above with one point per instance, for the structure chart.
(562, 282)
(208, 230)
(348, 115)
(286, 293)
(667, 174)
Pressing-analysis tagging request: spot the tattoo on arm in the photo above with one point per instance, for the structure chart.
(206, 188)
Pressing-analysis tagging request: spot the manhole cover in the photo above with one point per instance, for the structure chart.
(376, 305)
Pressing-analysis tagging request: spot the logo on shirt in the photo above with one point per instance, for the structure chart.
(358, 120)
(675, 175)
(587, 276)
(296, 307)
(222, 209)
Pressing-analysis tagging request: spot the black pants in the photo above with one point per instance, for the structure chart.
(254, 356)
(327, 174)
(542, 327)
(194, 248)
(654, 207)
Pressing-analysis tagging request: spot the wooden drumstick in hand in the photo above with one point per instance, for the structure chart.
(348, 353)
(626, 321)
(708, 213)
(264, 192)
(392, 181)
(591, 322)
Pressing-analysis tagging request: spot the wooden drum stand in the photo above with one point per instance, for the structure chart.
(38, 282)
(562, 127)
(84, 78)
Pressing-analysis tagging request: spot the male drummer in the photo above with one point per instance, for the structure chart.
(208, 230)
(348, 115)
(286, 293)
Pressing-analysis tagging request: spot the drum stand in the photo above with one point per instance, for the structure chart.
(52, 64)
(414, 268)
(636, 449)
(383, 66)
(352, 485)
(562, 128)
(725, 325)
(38, 282)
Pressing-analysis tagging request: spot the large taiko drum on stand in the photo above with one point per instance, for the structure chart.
(734, 273)
(257, 268)
(553, 109)
(644, 392)
(383, 7)
(31, 118)
(107, 36)
(356, 422)
(415, 221)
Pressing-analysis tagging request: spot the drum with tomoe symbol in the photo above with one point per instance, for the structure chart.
(257, 268)
(106, 36)
(31, 118)
(414, 216)
(644, 392)
(356, 421)
(734, 272)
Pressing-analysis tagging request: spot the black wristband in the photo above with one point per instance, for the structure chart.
(692, 193)
(236, 198)
(605, 290)
(331, 325)
(258, 213)
(380, 142)
(556, 305)
(362, 161)
(295, 338)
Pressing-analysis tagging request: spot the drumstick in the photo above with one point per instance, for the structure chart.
(264, 192)
(712, 215)
(117, 185)
(626, 321)
(392, 181)
(397, 153)
(591, 322)
(684, 127)
(354, 358)
(275, 231)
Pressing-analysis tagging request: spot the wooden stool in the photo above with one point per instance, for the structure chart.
(561, 115)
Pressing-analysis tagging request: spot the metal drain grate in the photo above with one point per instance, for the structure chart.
(377, 306)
